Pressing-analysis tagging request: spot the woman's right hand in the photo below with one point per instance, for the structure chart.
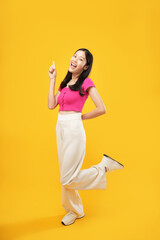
(52, 71)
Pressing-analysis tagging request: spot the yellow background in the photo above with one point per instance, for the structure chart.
(124, 38)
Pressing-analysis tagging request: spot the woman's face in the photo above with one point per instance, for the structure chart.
(77, 63)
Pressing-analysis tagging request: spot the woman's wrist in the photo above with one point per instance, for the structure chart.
(53, 79)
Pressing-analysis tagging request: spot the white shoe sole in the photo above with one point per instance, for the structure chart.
(72, 221)
(113, 162)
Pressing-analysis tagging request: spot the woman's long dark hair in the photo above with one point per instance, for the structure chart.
(83, 75)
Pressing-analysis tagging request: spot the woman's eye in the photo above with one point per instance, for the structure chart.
(76, 56)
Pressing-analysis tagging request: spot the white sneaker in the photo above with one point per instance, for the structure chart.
(70, 218)
(110, 163)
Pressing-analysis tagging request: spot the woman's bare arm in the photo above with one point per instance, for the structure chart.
(52, 99)
(100, 107)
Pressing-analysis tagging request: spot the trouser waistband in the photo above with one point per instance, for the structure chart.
(69, 116)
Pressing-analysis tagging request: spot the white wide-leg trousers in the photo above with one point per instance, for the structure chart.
(71, 146)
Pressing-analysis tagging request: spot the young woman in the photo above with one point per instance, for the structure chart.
(70, 134)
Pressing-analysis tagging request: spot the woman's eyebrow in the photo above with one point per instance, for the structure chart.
(80, 56)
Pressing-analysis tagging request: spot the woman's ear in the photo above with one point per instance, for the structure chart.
(85, 67)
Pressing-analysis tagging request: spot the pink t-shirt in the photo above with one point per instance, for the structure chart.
(69, 100)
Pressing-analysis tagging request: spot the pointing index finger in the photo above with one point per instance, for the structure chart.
(53, 64)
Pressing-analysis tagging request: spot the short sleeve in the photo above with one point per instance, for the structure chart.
(88, 83)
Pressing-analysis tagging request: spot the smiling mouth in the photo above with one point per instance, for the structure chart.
(73, 65)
